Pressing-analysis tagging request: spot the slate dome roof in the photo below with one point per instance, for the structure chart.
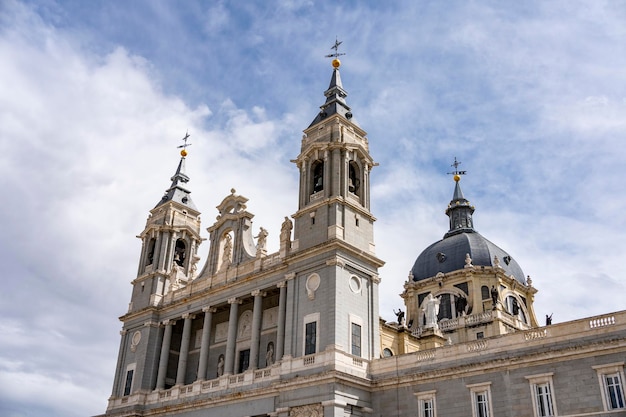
(449, 253)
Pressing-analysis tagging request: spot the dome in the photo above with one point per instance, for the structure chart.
(449, 253)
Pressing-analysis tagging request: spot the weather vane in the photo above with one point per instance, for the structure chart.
(457, 174)
(335, 54)
(184, 146)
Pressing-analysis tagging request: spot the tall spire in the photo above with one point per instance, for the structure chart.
(178, 191)
(335, 94)
(459, 210)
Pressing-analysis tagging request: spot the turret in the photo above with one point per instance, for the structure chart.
(170, 243)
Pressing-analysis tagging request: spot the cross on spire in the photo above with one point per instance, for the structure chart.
(183, 152)
(335, 54)
(457, 174)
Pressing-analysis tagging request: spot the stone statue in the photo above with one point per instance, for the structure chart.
(468, 261)
(228, 251)
(495, 295)
(460, 304)
(262, 239)
(285, 230)
(548, 319)
(269, 356)
(431, 311)
(220, 366)
(400, 316)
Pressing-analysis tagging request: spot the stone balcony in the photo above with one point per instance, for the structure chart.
(288, 368)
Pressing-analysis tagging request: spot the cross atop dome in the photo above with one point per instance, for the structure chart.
(457, 174)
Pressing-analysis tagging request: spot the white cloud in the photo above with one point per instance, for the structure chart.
(88, 129)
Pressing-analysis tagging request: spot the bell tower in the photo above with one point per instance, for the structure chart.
(334, 165)
(332, 256)
(170, 243)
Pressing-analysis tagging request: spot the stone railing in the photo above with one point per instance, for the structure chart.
(331, 357)
(521, 339)
(601, 321)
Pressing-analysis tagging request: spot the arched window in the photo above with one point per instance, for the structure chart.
(484, 292)
(150, 257)
(513, 307)
(354, 182)
(318, 176)
(387, 353)
(180, 253)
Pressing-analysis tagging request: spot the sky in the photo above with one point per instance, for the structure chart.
(96, 96)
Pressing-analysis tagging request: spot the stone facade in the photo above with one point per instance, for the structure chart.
(297, 332)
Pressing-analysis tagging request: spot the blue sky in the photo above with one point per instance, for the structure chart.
(95, 96)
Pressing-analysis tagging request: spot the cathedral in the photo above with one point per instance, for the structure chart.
(297, 332)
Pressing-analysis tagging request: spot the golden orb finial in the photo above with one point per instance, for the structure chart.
(336, 63)
(183, 153)
(457, 178)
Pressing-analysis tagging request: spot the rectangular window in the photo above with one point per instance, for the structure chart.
(356, 339)
(244, 360)
(428, 410)
(481, 399)
(310, 338)
(129, 382)
(611, 377)
(482, 404)
(542, 394)
(614, 391)
(426, 405)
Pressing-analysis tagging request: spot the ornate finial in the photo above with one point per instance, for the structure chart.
(183, 153)
(336, 62)
(457, 174)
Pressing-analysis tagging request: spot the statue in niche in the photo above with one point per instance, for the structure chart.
(460, 304)
(269, 356)
(431, 311)
(228, 251)
(400, 315)
(495, 295)
(220, 366)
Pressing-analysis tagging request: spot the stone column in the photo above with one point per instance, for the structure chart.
(206, 338)
(163, 241)
(120, 363)
(165, 354)
(231, 342)
(280, 334)
(256, 328)
(184, 350)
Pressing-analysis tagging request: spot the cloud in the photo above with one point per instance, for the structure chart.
(95, 99)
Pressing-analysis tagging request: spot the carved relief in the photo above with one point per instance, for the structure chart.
(245, 325)
(135, 341)
(309, 410)
(221, 331)
(312, 284)
(270, 318)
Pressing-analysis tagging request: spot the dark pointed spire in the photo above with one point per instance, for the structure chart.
(335, 95)
(178, 191)
(459, 210)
